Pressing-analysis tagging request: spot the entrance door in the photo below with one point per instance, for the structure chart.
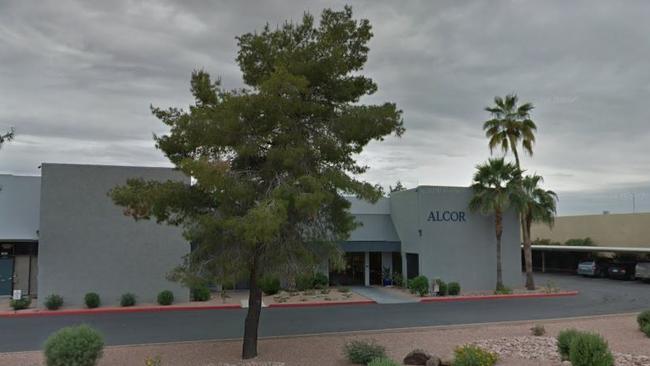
(354, 272)
(412, 265)
(6, 275)
(375, 268)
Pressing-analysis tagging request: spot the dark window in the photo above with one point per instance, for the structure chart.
(412, 265)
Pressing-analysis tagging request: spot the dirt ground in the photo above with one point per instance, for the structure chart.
(235, 297)
(620, 331)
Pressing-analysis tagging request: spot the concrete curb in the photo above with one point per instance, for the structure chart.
(155, 309)
(496, 297)
(111, 310)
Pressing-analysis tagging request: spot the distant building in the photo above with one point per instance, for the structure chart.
(607, 230)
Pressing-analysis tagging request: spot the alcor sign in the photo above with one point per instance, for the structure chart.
(453, 216)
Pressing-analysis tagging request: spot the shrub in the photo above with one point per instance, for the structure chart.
(91, 300)
(363, 351)
(53, 302)
(419, 285)
(398, 280)
(304, 282)
(165, 298)
(470, 355)
(590, 349)
(382, 361)
(270, 285)
(320, 281)
(538, 330)
(453, 288)
(643, 318)
(344, 290)
(200, 293)
(443, 288)
(155, 361)
(503, 290)
(21, 304)
(564, 339)
(127, 299)
(646, 330)
(74, 346)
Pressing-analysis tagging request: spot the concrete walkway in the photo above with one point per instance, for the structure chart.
(382, 296)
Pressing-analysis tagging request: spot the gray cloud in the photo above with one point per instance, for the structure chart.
(77, 79)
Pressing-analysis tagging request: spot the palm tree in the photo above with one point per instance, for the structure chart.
(535, 205)
(510, 125)
(494, 185)
(7, 136)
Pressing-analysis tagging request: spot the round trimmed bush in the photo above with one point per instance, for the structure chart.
(443, 289)
(363, 351)
(127, 299)
(564, 339)
(165, 297)
(643, 318)
(453, 288)
(74, 346)
(590, 349)
(21, 304)
(304, 282)
(320, 281)
(382, 361)
(53, 302)
(201, 293)
(419, 285)
(91, 300)
(470, 355)
(270, 285)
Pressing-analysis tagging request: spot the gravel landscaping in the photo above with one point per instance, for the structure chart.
(512, 341)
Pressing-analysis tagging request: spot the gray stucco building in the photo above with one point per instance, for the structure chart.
(430, 231)
(61, 233)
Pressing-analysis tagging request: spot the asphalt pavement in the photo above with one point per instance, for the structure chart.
(597, 296)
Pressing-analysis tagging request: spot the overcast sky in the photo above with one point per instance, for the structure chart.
(77, 79)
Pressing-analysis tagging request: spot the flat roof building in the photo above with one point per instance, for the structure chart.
(61, 233)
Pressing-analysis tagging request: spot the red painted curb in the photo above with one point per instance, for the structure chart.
(143, 309)
(322, 303)
(495, 297)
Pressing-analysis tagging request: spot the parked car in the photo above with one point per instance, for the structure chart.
(621, 271)
(594, 267)
(642, 271)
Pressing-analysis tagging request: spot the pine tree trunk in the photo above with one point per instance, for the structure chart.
(528, 254)
(499, 231)
(249, 349)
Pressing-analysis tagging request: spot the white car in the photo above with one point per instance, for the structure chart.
(642, 271)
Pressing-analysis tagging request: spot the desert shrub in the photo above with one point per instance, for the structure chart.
(564, 339)
(538, 330)
(646, 330)
(153, 361)
(304, 282)
(382, 361)
(344, 290)
(320, 281)
(453, 288)
(91, 300)
(419, 285)
(363, 351)
(470, 355)
(503, 290)
(21, 304)
(53, 302)
(590, 349)
(200, 293)
(270, 285)
(74, 346)
(643, 318)
(165, 297)
(127, 299)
